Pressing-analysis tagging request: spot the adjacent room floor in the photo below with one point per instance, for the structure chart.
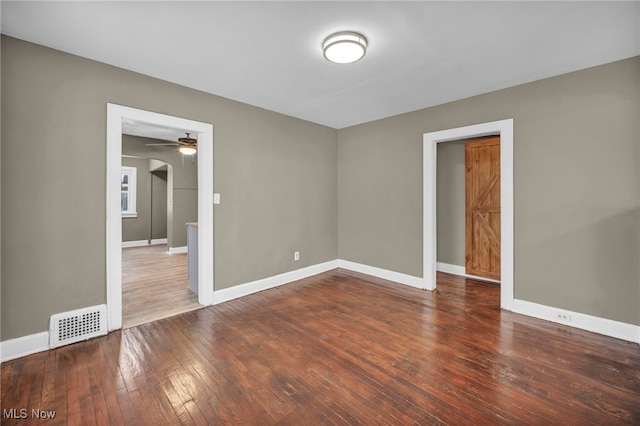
(338, 348)
(154, 285)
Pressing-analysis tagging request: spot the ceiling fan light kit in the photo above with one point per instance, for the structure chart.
(344, 47)
(187, 150)
(186, 145)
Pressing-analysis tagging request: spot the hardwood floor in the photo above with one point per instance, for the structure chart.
(154, 285)
(337, 348)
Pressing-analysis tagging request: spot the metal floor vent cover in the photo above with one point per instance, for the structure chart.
(75, 326)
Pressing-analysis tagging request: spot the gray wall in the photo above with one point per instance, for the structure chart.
(450, 200)
(137, 228)
(577, 221)
(277, 176)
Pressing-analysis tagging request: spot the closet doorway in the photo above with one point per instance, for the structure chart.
(504, 129)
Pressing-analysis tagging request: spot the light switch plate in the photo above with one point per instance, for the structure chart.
(216, 198)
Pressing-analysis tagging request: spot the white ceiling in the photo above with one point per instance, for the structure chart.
(154, 131)
(268, 53)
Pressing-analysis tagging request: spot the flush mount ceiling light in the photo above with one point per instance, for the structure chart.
(344, 47)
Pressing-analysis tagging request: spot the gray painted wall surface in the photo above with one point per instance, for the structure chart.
(137, 228)
(185, 174)
(277, 176)
(450, 187)
(577, 220)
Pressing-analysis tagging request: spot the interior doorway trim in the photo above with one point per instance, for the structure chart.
(504, 128)
(115, 114)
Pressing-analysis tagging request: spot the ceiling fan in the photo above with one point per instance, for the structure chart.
(186, 145)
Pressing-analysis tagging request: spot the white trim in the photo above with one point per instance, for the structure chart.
(450, 269)
(224, 295)
(619, 330)
(461, 271)
(136, 243)
(385, 274)
(177, 250)
(154, 242)
(430, 142)
(115, 115)
(27, 345)
(132, 190)
(23, 346)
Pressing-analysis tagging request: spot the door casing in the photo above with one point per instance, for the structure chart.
(503, 128)
(115, 115)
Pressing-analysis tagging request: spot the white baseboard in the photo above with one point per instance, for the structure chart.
(619, 330)
(142, 243)
(23, 346)
(234, 292)
(385, 274)
(461, 271)
(450, 269)
(137, 243)
(177, 250)
(26, 345)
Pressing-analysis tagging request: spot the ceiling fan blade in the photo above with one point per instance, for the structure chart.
(162, 144)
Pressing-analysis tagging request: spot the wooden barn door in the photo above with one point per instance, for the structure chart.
(482, 241)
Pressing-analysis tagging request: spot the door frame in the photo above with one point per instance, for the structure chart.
(503, 128)
(115, 114)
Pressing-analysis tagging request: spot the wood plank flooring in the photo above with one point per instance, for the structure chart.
(338, 348)
(154, 285)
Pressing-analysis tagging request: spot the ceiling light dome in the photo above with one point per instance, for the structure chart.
(344, 47)
(187, 150)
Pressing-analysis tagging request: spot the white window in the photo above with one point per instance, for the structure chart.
(128, 181)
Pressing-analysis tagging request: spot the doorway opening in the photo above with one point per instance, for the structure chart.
(116, 116)
(504, 129)
(163, 185)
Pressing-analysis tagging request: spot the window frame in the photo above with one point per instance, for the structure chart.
(132, 172)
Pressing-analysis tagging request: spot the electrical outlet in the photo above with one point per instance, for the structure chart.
(563, 316)
(296, 255)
